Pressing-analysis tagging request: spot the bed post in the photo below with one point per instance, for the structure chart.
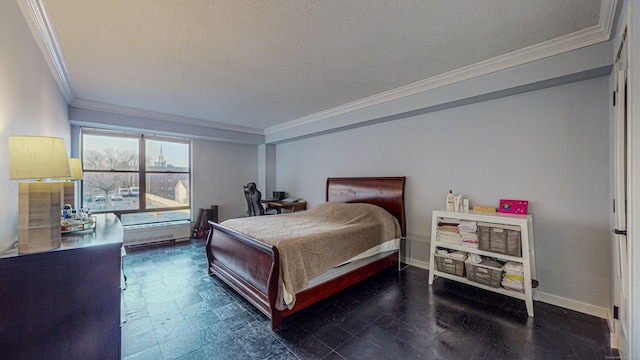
(208, 249)
(276, 315)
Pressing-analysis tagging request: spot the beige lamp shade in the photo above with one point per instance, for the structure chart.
(37, 157)
(76, 170)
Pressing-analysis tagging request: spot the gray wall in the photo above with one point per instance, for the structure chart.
(549, 146)
(219, 171)
(30, 104)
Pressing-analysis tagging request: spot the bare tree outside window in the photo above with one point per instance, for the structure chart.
(110, 159)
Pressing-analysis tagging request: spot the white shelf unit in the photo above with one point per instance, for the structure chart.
(525, 222)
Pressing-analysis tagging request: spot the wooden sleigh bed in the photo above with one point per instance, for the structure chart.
(252, 267)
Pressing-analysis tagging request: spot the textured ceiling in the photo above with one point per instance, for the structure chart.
(262, 63)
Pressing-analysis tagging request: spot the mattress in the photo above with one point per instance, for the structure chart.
(362, 259)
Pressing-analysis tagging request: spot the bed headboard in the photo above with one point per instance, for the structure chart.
(386, 192)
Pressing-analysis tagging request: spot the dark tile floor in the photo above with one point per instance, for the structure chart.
(176, 311)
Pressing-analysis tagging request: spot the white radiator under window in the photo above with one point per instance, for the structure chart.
(178, 230)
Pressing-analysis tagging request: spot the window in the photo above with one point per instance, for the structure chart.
(113, 161)
(167, 160)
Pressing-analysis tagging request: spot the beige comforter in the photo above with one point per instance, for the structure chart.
(313, 241)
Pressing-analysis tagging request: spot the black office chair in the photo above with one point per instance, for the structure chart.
(253, 197)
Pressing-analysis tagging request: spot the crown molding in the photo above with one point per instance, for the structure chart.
(148, 114)
(607, 15)
(35, 13)
(586, 37)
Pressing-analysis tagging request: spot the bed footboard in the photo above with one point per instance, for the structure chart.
(250, 267)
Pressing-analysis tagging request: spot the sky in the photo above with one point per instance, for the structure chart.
(174, 153)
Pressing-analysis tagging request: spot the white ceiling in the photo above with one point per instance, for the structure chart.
(260, 64)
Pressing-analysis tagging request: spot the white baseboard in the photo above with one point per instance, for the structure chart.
(613, 340)
(572, 305)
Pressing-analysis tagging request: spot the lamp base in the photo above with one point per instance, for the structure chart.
(38, 216)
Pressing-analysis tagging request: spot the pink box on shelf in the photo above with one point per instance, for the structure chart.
(513, 206)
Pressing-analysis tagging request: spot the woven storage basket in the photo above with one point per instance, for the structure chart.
(503, 239)
(448, 265)
(482, 274)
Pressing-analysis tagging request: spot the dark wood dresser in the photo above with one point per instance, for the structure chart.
(64, 303)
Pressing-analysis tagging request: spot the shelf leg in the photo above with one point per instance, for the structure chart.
(528, 297)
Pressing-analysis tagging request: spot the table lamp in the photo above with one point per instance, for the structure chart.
(68, 187)
(39, 203)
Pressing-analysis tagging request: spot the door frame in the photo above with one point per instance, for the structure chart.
(619, 319)
(633, 206)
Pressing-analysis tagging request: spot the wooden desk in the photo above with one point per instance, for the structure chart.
(64, 303)
(279, 205)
